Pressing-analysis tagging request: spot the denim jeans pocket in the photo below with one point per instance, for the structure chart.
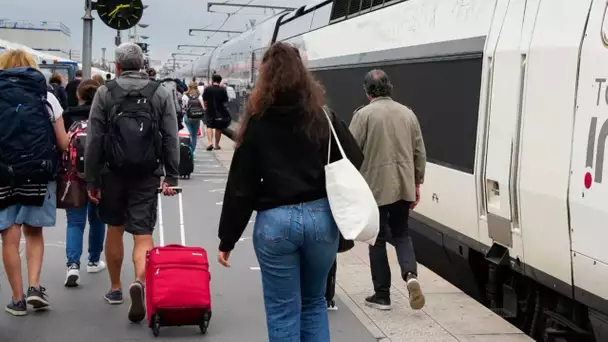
(325, 227)
(273, 225)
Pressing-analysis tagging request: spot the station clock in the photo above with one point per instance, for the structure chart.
(120, 14)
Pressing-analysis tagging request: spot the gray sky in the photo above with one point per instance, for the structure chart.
(169, 21)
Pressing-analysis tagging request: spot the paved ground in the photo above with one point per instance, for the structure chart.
(81, 314)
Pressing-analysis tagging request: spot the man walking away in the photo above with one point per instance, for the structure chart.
(123, 175)
(394, 165)
(214, 98)
(72, 89)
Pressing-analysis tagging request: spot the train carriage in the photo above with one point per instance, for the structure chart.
(511, 96)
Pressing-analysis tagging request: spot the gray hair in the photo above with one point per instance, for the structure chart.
(129, 56)
(377, 84)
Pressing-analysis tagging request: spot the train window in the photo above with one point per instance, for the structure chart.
(354, 7)
(366, 4)
(444, 94)
(339, 9)
(350, 8)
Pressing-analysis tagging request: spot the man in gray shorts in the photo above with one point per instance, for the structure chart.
(132, 134)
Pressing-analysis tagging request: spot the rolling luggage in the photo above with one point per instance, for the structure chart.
(186, 158)
(177, 281)
(330, 289)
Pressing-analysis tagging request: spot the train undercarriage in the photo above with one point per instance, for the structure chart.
(492, 280)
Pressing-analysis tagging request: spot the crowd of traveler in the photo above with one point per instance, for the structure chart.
(283, 144)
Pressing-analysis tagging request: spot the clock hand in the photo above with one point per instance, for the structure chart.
(113, 13)
(118, 8)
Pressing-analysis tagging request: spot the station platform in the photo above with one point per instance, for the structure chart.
(448, 316)
(81, 314)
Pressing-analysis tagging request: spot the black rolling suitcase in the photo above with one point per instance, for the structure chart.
(330, 290)
(186, 158)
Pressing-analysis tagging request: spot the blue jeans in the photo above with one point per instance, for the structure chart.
(77, 221)
(296, 246)
(193, 126)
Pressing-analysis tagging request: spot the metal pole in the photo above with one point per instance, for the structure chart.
(103, 57)
(174, 63)
(87, 39)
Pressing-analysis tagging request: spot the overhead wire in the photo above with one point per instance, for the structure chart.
(229, 15)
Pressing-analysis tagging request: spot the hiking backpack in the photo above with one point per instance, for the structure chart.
(133, 139)
(194, 109)
(28, 146)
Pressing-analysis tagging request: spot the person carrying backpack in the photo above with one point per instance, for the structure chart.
(31, 139)
(75, 119)
(195, 111)
(132, 135)
(176, 88)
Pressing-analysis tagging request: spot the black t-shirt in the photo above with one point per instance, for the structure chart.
(215, 98)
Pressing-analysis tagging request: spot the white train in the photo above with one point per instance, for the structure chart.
(512, 97)
(46, 58)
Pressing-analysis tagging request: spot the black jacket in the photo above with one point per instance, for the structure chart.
(277, 165)
(74, 114)
(61, 95)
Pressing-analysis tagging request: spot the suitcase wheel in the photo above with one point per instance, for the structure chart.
(155, 325)
(204, 324)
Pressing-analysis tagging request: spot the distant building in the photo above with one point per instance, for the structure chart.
(52, 37)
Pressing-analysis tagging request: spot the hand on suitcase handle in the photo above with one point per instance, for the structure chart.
(169, 190)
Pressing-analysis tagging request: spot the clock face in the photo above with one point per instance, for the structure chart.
(120, 14)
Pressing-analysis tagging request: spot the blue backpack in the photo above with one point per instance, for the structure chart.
(28, 146)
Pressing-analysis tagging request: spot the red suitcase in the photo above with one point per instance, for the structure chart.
(177, 281)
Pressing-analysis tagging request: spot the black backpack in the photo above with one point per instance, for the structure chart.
(133, 144)
(194, 110)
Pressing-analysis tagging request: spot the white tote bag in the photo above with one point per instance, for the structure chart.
(352, 203)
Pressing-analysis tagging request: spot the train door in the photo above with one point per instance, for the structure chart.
(499, 219)
(588, 189)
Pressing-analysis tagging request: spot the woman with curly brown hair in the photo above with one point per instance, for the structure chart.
(278, 170)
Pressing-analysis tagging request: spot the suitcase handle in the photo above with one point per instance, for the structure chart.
(161, 232)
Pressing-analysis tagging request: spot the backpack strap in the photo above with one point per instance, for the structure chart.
(116, 91)
(150, 89)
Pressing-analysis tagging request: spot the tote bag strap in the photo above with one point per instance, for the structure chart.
(332, 132)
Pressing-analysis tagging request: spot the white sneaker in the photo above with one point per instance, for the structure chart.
(96, 267)
(331, 306)
(417, 300)
(73, 275)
